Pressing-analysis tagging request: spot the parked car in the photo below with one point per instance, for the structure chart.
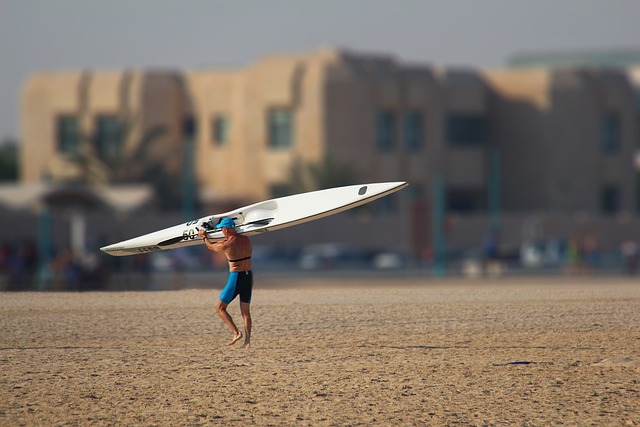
(332, 256)
(543, 253)
(389, 260)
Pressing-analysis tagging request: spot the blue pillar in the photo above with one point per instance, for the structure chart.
(44, 247)
(438, 227)
(495, 191)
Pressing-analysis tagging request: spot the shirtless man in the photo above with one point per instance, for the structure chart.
(237, 249)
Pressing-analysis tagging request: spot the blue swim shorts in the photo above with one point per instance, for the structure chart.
(239, 283)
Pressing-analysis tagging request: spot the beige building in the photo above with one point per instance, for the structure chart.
(382, 119)
(98, 114)
(567, 137)
(530, 139)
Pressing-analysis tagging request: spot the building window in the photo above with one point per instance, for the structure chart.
(385, 130)
(413, 131)
(68, 131)
(465, 200)
(280, 190)
(609, 199)
(416, 191)
(220, 130)
(189, 128)
(280, 128)
(386, 205)
(609, 133)
(466, 129)
(109, 137)
(638, 192)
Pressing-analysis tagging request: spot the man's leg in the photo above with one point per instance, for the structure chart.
(222, 312)
(245, 309)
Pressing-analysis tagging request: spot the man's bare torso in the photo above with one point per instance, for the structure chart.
(238, 251)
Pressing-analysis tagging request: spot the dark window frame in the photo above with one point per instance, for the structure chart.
(465, 200)
(386, 125)
(109, 136)
(220, 129)
(68, 134)
(389, 205)
(466, 129)
(280, 190)
(610, 133)
(281, 127)
(610, 202)
(413, 130)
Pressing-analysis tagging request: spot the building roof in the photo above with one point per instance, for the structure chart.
(615, 58)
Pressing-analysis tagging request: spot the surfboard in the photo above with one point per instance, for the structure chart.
(261, 217)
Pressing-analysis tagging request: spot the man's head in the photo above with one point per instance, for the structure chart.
(227, 225)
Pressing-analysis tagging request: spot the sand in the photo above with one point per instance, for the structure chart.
(412, 352)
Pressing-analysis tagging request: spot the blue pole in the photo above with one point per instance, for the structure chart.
(439, 237)
(495, 193)
(44, 246)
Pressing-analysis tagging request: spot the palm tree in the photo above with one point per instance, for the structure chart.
(9, 160)
(328, 172)
(129, 160)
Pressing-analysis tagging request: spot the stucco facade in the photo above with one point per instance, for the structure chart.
(552, 127)
(385, 119)
(70, 106)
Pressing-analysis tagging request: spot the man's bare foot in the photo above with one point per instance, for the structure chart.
(235, 338)
(246, 345)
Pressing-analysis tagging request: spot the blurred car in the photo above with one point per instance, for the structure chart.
(332, 256)
(389, 260)
(274, 258)
(180, 259)
(543, 253)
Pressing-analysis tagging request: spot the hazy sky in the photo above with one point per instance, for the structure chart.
(70, 34)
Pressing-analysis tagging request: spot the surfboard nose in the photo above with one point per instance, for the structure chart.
(114, 249)
(381, 188)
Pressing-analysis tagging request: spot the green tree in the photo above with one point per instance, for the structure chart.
(9, 160)
(143, 160)
(327, 173)
(137, 159)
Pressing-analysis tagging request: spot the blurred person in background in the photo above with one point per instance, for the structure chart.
(629, 252)
(575, 256)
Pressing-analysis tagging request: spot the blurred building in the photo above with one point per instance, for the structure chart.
(520, 139)
(568, 138)
(384, 120)
(622, 58)
(102, 116)
(610, 83)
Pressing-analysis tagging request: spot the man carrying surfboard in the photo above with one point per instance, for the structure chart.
(237, 248)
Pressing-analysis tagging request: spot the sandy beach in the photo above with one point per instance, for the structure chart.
(339, 352)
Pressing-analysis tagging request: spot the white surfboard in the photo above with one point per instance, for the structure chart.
(261, 217)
